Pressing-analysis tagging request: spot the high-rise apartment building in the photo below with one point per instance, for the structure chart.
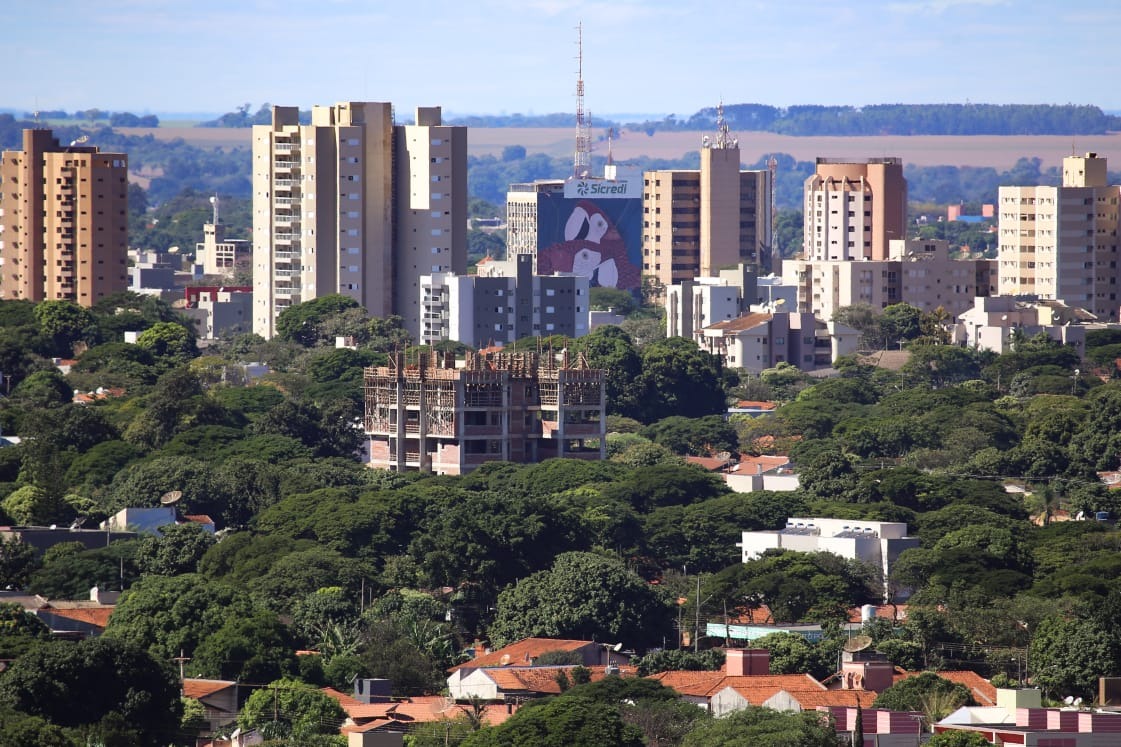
(430, 191)
(353, 204)
(63, 221)
(853, 209)
(696, 222)
(1061, 242)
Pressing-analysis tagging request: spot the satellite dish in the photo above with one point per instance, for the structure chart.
(1078, 701)
(1068, 699)
(617, 647)
(171, 498)
(857, 643)
(504, 660)
(77, 523)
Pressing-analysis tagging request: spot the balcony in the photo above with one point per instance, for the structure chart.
(286, 273)
(286, 255)
(284, 146)
(286, 291)
(285, 165)
(285, 237)
(286, 183)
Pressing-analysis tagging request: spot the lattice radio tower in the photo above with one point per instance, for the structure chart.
(582, 160)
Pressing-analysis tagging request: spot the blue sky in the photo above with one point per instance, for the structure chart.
(506, 56)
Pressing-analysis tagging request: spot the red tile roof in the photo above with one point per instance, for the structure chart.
(521, 652)
(980, 688)
(542, 680)
(894, 612)
(419, 709)
(98, 616)
(195, 688)
(712, 464)
(741, 323)
(756, 404)
(707, 684)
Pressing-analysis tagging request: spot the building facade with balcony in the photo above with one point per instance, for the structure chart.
(356, 205)
(432, 416)
(63, 221)
(1061, 243)
(853, 209)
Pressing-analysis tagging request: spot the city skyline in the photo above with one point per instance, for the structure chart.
(504, 56)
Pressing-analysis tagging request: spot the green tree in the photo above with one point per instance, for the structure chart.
(583, 596)
(288, 708)
(19, 630)
(78, 684)
(958, 738)
(678, 378)
(561, 722)
(761, 727)
(301, 322)
(65, 323)
(17, 561)
(254, 648)
(1068, 655)
(168, 342)
(174, 615)
(178, 549)
(705, 436)
(913, 693)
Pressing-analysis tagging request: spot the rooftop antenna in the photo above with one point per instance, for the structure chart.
(214, 202)
(723, 139)
(583, 138)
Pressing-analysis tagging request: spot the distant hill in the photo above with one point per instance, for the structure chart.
(876, 119)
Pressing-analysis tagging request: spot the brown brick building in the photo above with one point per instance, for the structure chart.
(63, 221)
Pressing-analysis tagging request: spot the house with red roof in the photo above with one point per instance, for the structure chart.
(220, 698)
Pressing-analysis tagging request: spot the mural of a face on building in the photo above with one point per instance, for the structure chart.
(592, 248)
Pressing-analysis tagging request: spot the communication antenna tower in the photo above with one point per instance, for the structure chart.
(583, 136)
(723, 139)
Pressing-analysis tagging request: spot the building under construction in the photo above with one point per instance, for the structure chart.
(429, 415)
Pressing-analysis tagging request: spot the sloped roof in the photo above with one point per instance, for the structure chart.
(741, 323)
(980, 688)
(414, 710)
(522, 652)
(200, 688)
(98, 616)
(542, 680)
(712, 464)
(707, 684)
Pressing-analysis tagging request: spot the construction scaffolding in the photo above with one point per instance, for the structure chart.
(428, 413)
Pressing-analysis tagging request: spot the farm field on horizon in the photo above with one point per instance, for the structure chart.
(997, 151)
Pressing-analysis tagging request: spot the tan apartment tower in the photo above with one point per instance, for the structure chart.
(63, 221)
(352, 204)
(697, 222)
(322, 209)
(853, 209)
(430, 192)
(1061, 242)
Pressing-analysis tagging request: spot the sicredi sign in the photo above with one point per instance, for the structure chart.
(603, 188)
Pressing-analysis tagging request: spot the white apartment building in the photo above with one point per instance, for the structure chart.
(698, 302)
(1061, 242)
(503, 303)
(877, 543)
(353, 204)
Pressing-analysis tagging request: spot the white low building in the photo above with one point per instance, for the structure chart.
(877, 543)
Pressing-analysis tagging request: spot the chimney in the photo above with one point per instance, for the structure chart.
(744, 662)
(480, 649)
(372, 690)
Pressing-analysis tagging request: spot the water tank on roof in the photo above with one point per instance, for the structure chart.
(867, 613)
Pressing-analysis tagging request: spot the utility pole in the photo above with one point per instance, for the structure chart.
(697, 627)
(182, 660)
